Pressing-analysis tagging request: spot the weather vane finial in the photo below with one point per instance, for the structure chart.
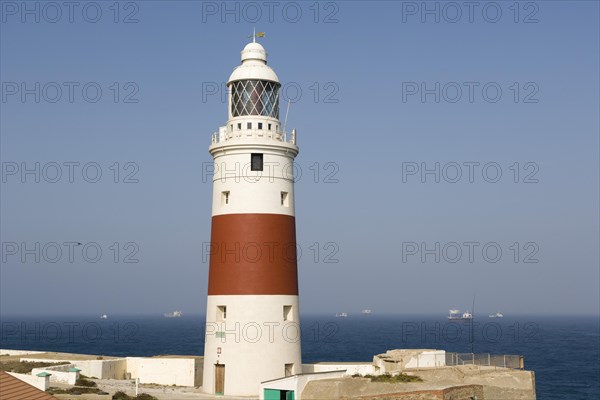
(255, 35)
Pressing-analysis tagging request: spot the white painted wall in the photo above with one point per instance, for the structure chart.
(257, 343)
(19, 352)
(59, 374)
(163, 371)
(254, 191)
(350, 368)
(401, 359)
(42, 383)
(428, 359)
(103, 369)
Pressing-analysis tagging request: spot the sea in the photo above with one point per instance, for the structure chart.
(564, 352)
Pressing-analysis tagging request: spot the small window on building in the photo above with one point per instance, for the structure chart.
(285, 199)
(289, 369)
(225, 197)
(249, 125)
(256, 162)
(221, 313)
(270, 126)
(260, 125)
(287, 313)
(239, 126)
(231, 127)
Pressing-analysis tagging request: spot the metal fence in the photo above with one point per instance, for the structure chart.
(486, 360)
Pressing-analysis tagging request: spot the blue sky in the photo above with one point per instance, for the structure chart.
(359, 124)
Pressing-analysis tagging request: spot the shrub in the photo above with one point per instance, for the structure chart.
(24, 367)
(84, 382)
(125, 396)
(73, 390)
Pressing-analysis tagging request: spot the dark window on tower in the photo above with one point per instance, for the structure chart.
(256, 162)
(249, 125)
(260, 125)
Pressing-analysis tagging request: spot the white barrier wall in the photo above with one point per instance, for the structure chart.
(103, 369)
(180, 371)
(428, 359)
(401, 359)
(59, 374)
(42, 383)
(350, 368)
(19, 352)
(163, 371)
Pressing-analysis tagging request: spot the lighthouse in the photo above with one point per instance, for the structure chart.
(252, 316)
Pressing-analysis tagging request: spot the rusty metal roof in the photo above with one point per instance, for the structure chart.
(12, 388)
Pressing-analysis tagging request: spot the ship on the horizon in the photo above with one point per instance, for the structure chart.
(174, 314)
(497, 315)
(367, 311)
(104, 316)
(456, 315)
(341, 315)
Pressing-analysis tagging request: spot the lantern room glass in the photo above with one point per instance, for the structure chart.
(255, 97)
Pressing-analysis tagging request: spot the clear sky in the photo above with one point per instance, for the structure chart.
(361, 68)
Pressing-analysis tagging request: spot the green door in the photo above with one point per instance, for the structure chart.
(271, 394)
(276, 394)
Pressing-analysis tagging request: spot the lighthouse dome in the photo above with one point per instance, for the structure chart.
(254, 65)
(254, 51)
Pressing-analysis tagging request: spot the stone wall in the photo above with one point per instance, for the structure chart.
(466, 392)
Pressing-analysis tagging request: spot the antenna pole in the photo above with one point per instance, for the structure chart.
(286, 116)
(472, 325)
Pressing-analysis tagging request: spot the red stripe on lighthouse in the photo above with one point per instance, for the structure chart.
(253, 254)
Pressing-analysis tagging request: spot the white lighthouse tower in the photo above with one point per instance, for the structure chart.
(252, 316)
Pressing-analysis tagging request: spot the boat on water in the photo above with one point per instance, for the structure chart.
(497, 315)
(366, 311)
(174, 314)
(104, 316)
(341, 315)
(457, 315)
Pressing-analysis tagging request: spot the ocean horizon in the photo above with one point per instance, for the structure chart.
(563, 351)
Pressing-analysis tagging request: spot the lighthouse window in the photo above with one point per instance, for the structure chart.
(289, 368)
(225, 197)
(249, 125)
(256, 162)
(239, 126)
(221, 313)
(260, 125)
(284, 199)
(287, 313)
(269, 126)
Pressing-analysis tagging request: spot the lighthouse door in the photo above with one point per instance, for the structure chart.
(219, 378)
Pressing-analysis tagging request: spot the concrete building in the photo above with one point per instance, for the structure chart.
(252, 316)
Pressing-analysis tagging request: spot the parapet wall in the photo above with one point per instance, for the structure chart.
(166, 370)
(103, 369)
(349, 368)
(59, 373)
